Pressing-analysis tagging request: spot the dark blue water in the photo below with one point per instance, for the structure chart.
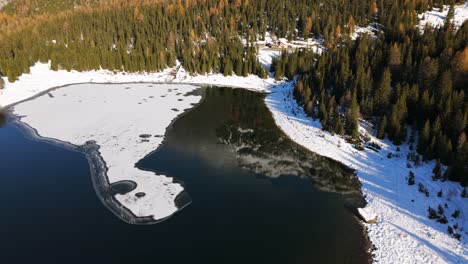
(239, 212)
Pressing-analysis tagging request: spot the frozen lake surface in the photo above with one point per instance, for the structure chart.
(255, 195)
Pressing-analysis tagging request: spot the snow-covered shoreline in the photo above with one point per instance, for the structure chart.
(41, 79)
(402, 234)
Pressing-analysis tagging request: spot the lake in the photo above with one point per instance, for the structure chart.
(256, 197)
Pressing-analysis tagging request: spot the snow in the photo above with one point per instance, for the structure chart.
(266, 53)
(369, 30)
(403, 233)
(436, 17)
(266, 57)
(41, 79)
(114, 116)
(367, 215)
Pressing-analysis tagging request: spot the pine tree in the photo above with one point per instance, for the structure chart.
(397, 130)
(424, 138)
(450, 15)
(428, 72)
(307, 28)
(338, 126)
(382, 128)
(437, 171)
(322, 114)
(352, 121)
(394, 59)
(411, 178)
(383, 92)
(460, 68)
(436, 127)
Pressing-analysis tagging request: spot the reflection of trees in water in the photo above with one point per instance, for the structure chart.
(2, 119)
(263, 148)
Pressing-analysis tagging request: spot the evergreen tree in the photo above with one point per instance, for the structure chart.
(352, 121)
(424, 137)
(394, 59)
(382, 128)
(411, 178)
(437, 171)
(383, 92)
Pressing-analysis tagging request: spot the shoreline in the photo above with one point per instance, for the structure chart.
(401, 209)
(98, 166)
(399, 221)
(44, 92)
(41, 80)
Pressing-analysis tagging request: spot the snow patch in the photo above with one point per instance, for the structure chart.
(436, 17)
(370, 30)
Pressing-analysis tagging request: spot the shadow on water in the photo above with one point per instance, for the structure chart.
(256, 197)
(255, 191)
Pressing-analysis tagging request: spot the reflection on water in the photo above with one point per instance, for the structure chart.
(261, 147)
(255, 190)
(2, 118)
(229, 155)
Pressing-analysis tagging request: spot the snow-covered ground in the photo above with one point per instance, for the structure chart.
(371, 30)
(41, 79)
(402, 234)
(436, 17)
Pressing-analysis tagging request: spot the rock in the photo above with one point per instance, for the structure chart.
(367, 216)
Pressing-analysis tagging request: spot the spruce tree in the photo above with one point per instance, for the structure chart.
(382, 128)
(437, 171)
(383, 92)
(352, 121)
(424, 138)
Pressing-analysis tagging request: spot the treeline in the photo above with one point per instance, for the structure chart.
(148, 35)
(143, 37)
(400, 78)
(26, 8)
